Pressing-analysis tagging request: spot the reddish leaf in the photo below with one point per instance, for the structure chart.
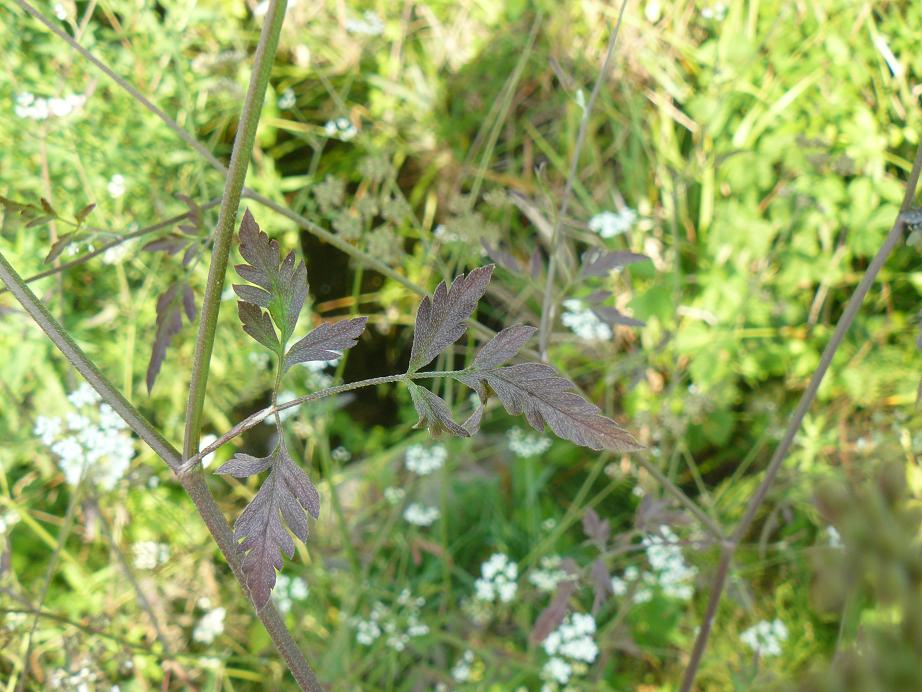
(503, 346)
(257, 324)
(434, 412)
(556, 611)
(596, 528)
(601, 584)
(327, 341)
(169, 322)
(599, 264)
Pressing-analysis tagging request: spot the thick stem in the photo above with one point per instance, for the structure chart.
(547, 307)
(193, 483)
(240, 159)
(806, 400)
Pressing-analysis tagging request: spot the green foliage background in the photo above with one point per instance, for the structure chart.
(764, 154)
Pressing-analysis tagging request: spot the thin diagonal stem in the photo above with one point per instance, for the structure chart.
(806, 399)
(83, 259)
(236, 174)
(193, 483)
(547, 307)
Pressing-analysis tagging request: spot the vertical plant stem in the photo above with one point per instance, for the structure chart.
(806, 399)
(193, 482)
(547, 307)
(236, 174)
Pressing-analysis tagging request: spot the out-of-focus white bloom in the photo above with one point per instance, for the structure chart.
(584, 322)
(674, 575)
(117, 253)
(367, 632)
(558, 670)
(833, 537)
(527, 444)
(150, 554)
(8, 519)
(570, 648)
(288, 590)
(341, 128)
(550, 574)
(420, 515)
(318, 378)
(394, 495)
(446, 235)
(461, 671)
(204, 442)
(497, 580)
(369, 24)
(423, 460)
(341, 454)
(287, 99)
(652, 11)
(283, 398)
(717, 12)
(766, 638)
(82, 680)
(30, 107)
(95, 440)
(116, 186)
(59, 11)
(609, 224)
(210, 626)
(400, 624)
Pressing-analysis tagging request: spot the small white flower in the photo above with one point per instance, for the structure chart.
(717, 12)
(210, 626)
(766, 638)
(420, 515)
(394, 495)
(341, 454)
(652, 11)
(8, 519)
(116, 186)
(370, 24)
(287, 99)
(558, 670)
(84, 395)
(498, 579)
(149, 554)
(550, 574)
(833, 537)
(117, 253)
(59, 11)
(583, 322)
(609, 224)
(341, 128)
(461, 671)
(527, 444)
(423, 460)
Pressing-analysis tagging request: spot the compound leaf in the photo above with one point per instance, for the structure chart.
(503, 346)
(540, 393)
(327, 341)
(434, 412)
(440, 320)
(261, 533)
(257, 324)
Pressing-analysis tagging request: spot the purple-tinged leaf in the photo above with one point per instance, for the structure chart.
(40, 220)
(596, 529)
(195, 212)
(327, 341)
(169, 244)
(190, 254)
(652, 513)
(244, 465)
(556, 611)
(46, 205)
(251, 294)
(188, 303)
(600, 263)
(59, 246)
(434, 412)
(540, 393)
(442, 319)
(501, 257)
(81, 215)
(601, 584)
(536, 265)
(472, 424)
(612, 316)
(503, 346)
(285, 281)
(169, 322)
(262, 535)
(257, 324)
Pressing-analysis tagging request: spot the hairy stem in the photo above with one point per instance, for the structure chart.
(547, 307)
(236, 174)
(774, 466)
(193, 483)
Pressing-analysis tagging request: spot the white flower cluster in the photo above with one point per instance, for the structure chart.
(150, 554)
(584, 322)
(318, 377)
(766, 638)
(550, 574)
(461, 671)
(341, 454)
(399, 626)
(423, 460)
(394, 495)
(210, 626)
(31, 107)
(8, 519)
(288, 590)
(94, 439)
(527, 444)
(287, 99)
(369, 24)
(116, 186)
(420, 515)
(82, 680)
(833, 537)
(341, 128)
(570, 647)
(670, 574)
(609, 224)
(497, 580)
(717, 12)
